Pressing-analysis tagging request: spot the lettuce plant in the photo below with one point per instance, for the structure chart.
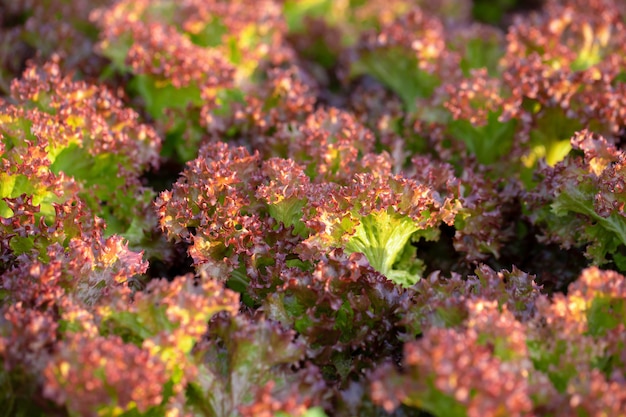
(84, 144)
(589, 189)
(374, 212)
(210, 56)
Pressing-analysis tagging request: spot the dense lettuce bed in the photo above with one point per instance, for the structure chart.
(312, 208)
